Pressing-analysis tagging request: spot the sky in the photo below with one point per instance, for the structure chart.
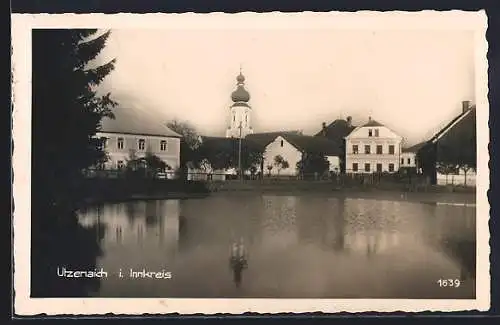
(412, 81)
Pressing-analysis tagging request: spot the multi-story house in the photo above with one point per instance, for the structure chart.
(336, 132)
(373, 147)
(131, 134)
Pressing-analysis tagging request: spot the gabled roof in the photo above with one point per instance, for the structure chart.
(336, 130)
(134, 121)
(224, 143)
(372, 122)
(452, 124)
(415, 148)
(265, 138)
(313, 144)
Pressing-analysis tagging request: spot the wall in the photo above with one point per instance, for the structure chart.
(171, 155)
(360, 137)
(334, 163)
(404, 159)
(457, 179)
(239, 114)
(287, 151)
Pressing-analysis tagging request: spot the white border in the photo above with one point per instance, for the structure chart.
(430, 20)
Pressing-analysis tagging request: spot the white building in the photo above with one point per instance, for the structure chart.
(373, 147)
(409, 158)
(240, 117)
(134, 133)
(293, 148)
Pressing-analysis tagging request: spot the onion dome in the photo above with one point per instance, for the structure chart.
(240, 78)
(240, 94)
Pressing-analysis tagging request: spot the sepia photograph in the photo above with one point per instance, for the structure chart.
(305, 162)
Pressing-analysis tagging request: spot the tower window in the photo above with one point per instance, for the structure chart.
(376, 132)
(282, 143)
(370, 132)
(234, 117)
(409, 161)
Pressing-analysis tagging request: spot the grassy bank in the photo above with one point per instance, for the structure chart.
(100, 190)
(393, 192)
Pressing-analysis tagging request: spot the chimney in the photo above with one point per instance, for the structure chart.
(323, 128)
(349, 121)
(465, 106)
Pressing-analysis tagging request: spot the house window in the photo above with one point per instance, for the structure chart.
(163, 145)
(355, 167)
(142, 144)
(370, 132)
(391, 149)
(391, 167)
(120, 164)
(367, 167)
(376, 132)
(379, 149)
(102, 143)
(409, 161)
(282, 143)
(120, 143)
(379, 168)
(367, 149)
(355, 149)
(402, 161)
(234, 117)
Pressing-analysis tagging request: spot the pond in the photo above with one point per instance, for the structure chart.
(296, 247)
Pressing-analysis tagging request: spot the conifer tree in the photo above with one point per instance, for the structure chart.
(66, 114)
(66, 110)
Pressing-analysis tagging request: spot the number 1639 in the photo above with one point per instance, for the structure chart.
(452, 283)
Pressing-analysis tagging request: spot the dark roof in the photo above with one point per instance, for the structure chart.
(134, 121)
(264, 138)
(416, 147)
(372, 122)
(336, 131)
(452, 124)
(223, 143)
(313, 144)
(240, 104)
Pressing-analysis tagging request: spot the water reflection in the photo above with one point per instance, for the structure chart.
(295, 246)
(59, 241)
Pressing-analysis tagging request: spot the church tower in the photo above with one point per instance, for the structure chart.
(240, 111)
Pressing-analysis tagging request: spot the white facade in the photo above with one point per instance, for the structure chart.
(334, 163)
(373, 148)
(120, 146)
(461, 178)
(240, 115)
(285, 149)
(408, 159)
